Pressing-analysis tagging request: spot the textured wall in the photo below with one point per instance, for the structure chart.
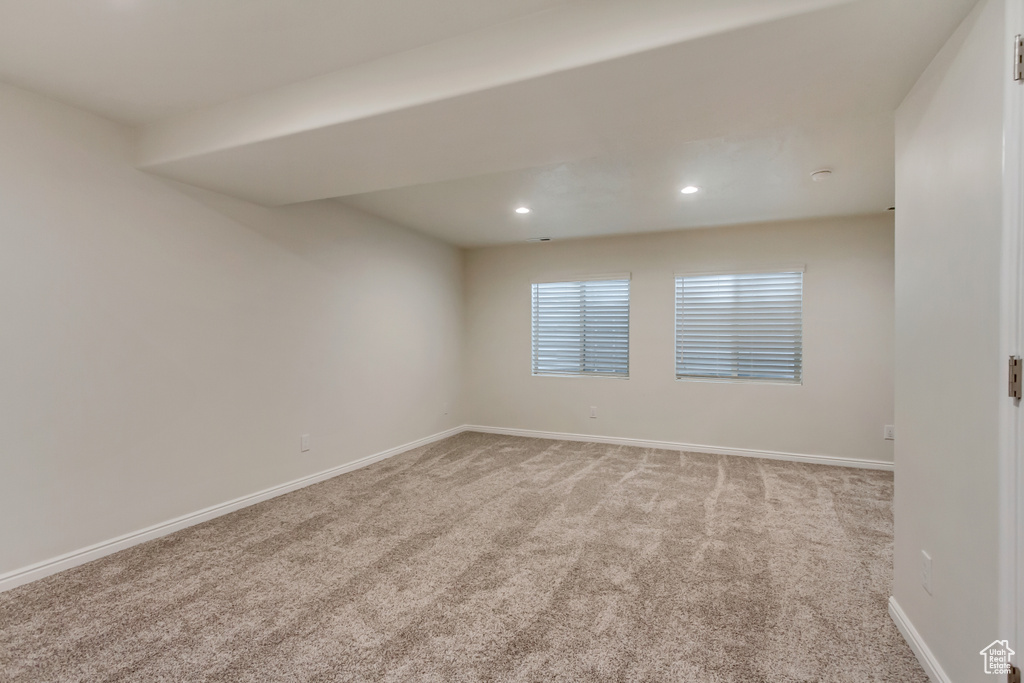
(164, 348)
(846, 396)
(950, 371)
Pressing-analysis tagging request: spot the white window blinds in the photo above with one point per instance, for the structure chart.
(742, 326)
(581, 328)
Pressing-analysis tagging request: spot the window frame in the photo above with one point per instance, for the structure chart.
(676, 326)
(580, 279)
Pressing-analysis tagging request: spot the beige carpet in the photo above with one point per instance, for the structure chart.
(496, 558)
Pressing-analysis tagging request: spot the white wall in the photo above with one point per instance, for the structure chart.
(162, 349)
(950, 369)
(840, 409)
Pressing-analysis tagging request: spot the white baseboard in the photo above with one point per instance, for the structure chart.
(46, 568)
(40, 570)
(673, 446)
(921, 650)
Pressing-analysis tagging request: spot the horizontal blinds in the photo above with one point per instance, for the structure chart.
(581, 328)
(746, 326)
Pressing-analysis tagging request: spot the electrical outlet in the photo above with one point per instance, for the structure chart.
(926, 572)
(304, 443)
(593, 411)
(889, 433)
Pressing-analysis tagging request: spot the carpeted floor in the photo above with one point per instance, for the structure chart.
(497, 559)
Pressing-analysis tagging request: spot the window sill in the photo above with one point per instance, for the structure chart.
(579, 375)
(741, 380)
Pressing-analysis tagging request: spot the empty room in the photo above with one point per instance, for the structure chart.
(511, 340)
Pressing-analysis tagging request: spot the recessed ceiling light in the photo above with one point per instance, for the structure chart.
(690, 189)
(820, 175)
(523, 210)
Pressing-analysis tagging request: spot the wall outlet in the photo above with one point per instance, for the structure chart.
(889, 433)
(926, 572)
(304, 443)
(593, 411)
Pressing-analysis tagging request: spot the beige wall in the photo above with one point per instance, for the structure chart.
(950, 368)
(162, 349)
(840, 409)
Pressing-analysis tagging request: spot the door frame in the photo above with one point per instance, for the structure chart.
(1011, 469)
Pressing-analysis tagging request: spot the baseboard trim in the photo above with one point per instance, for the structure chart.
(921, 650)
(39, 570)
(674, 446)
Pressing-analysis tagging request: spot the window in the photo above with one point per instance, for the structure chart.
(581, 328)
(740, 326)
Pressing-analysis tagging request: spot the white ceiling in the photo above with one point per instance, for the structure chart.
(137, 61)
(759, 177)
(445, 115)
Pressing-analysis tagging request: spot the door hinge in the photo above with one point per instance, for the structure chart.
(1018, 58)
(1013, 676)
(1014, 376)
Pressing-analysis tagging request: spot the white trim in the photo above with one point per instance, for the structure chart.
(739, 380)
(1011, 447)
(767, 270)
(598, 277)
(41, 570)
(921, 650)
(674, 446)
(75, 558)
(606, 375)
